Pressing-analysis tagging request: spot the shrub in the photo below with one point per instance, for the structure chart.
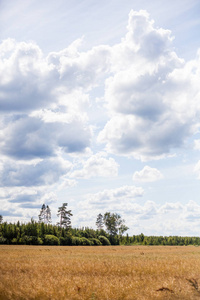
(36, 241)
(40, 241)
(85, 242)
(65, 241)
(50, 239)
(26, 240)
(114, 240)
(75, 241)
(3, 240)
(14, 241)
(104, 241)
(95, 242)
(29, 240)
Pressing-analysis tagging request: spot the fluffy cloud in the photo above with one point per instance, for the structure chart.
(197, 144)
(29, 80)
(97, 165)
(44, 172)
(24, 202)
(197, 169)
(170, 218)
(118, 196)
(26, 78)
(147, 174)
(30, 137)
(150, 104)
(153, 96)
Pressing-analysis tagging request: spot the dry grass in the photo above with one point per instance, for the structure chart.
(113, 273)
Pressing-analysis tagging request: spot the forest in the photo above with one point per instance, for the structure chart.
(110, 231)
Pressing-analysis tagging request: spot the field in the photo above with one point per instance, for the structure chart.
(113, 273)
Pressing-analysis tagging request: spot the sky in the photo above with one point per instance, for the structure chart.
(100, 108)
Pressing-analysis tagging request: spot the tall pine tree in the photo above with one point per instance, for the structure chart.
(99, 221)
(65, 216)
(45, 214)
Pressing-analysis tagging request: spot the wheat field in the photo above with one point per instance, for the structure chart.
(113, 273)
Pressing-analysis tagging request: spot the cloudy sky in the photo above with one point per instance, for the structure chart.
(100, 108)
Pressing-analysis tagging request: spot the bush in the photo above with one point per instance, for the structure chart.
(36, 240)
(85, 242)
(28, 240)
(114, 240)
(76, 241)
(95, 242)
(40, 241)
(14, 241)
(66, 241)
(3, 240)
(51, 240)
(104, 241)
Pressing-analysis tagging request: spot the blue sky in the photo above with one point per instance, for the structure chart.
(100, 108)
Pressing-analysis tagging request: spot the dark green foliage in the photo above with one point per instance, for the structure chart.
(85, 242)
(51, 239)
(162, 240)
(3, 240)
(76, 241)
(95, 242)
(104, 241)
(65, 241)
(34, 233)
(114, 240)
(28, 240)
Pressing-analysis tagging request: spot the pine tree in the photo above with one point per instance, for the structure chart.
(99, 222)
(42, 215)
(48, 215)
(65, 216)
(1, 219)
(45, 214)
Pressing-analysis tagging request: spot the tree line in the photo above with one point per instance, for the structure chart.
(43, 232)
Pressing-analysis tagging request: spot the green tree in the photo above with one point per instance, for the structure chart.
(65, 216)
(45, 214)
(1, 219)
(48, 215)
(99, 222)
(42, 215)
(110, 223)
(114, 224)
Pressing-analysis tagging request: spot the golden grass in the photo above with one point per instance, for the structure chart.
(112, 273)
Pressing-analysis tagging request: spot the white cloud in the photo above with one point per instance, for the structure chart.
(153, 96)
(23, 202)
(197, 169)
(49, 106)
(147, 174)
(118, 196)
(97, 166)
(30, 137)
(66, 183)
(197, 144)
(45, 172)
(170, 218)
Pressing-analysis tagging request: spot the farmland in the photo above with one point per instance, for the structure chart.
(113, 272)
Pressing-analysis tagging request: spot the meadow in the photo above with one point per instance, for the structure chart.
(110, 272)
